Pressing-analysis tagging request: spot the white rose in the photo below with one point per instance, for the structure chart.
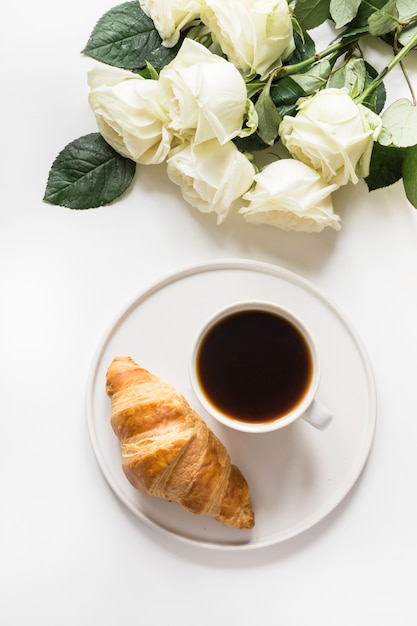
(205, 94)
(170, 16)
(292, 196)
(211, 176)
(333, 135)
(254, 34)
(129, 113)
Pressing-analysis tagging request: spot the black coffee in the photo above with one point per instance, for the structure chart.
(254, 366)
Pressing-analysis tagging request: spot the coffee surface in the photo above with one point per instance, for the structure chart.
(254, 366)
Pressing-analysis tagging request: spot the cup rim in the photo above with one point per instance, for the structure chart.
(270, 425)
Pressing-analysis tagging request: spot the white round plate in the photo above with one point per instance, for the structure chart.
(297, 475)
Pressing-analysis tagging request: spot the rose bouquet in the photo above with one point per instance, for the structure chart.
(247, 115)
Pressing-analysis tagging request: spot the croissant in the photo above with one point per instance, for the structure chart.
(168, 451)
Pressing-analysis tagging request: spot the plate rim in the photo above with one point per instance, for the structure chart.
(251, 265)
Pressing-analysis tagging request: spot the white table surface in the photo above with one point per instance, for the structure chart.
(70, 552)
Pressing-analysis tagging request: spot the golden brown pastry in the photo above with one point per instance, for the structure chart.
(168, 450)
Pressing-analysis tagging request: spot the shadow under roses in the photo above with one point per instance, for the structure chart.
(303, 251)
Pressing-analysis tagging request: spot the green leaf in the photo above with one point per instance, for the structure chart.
(305, 48)
(405, 9)
(375, 100)
(315, 78)
(399, 124)
(311, 13)
(268, 117)
(406, 34)
(410, 175)
(88, 173)
(350, 32)
(343, 12)
(366, 9)
(385, 167)
(351, 75)
(385, 20)
(253, 143)
(126, 37)
(285, 96)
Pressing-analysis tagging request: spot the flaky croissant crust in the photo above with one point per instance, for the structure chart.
(168, 451)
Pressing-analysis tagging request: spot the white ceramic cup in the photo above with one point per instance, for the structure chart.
(305, 407)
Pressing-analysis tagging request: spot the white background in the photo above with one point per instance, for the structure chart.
(70, 553)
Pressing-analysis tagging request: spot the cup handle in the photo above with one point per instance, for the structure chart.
(318, 415)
